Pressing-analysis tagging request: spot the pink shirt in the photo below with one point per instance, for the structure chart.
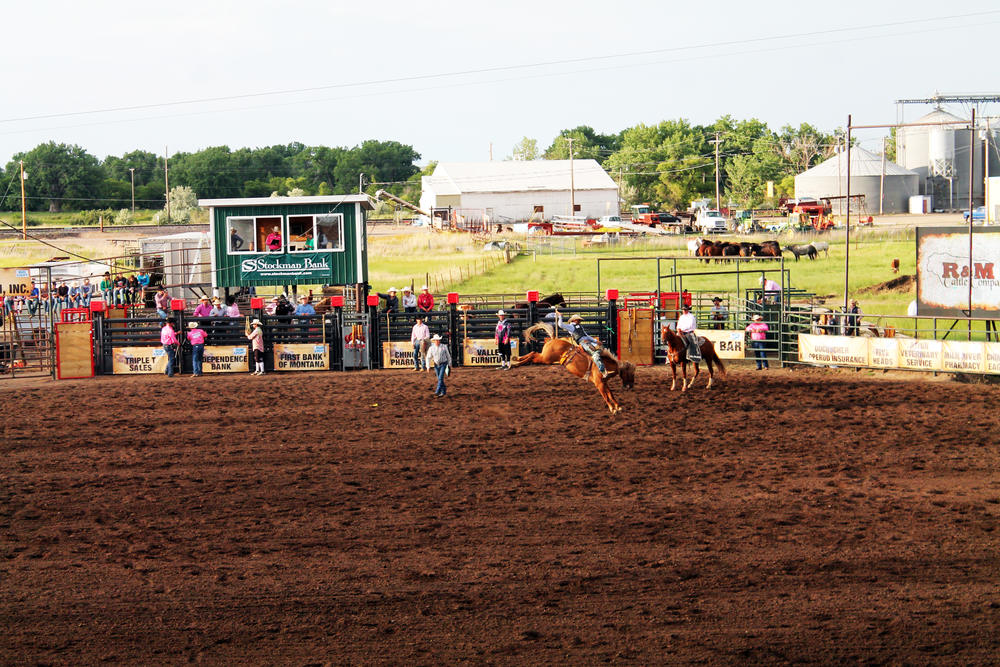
(234, 310)
(167, 336)
(257, 339)
(419, 332)
(197, 336)
(758, 330)
(203, 310)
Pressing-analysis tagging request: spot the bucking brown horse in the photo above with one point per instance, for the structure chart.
(677, 354)
(578, 361)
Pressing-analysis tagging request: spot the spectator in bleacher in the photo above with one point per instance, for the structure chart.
(391, 300)
(234, 309)
(106, 288)
(121, 290)
(418, 337)
(502, 336)
(162, 302)
(134, 290)
(33, 299)
(425, 302)
(218, 310)
(62, 292)
(409, 301)
(272, 306)
(204, 308)
(196, 336)
(86, 291)
(284, 308)
(143, 279)
(719, 314)
(74, 294)
(43, 297)
(168, 339)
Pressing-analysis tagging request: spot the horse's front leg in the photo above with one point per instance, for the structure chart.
(673, 373)
(697, 370)
(530, 358)
(684, 378)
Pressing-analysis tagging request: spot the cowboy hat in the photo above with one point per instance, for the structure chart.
(204, 298)
(192, 325)
(391, 290)
(574, 318)
(757, 318)
(500, 312)
(256, 322)
(436, 337)
(685, 306)
(303, 297)
(217, 301)
(406, 289)
(425, 287)
(716, 299)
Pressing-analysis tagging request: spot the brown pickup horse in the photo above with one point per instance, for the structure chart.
(566, 353)
(677, 354)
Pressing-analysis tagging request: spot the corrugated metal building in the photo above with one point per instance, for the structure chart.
(182, 259)
(517, 190)
(274, 241)
(829, 179)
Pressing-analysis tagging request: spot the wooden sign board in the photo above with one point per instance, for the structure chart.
(15, 282)
(397, 354)
(301, 357)
(636, 336)
(225, 359)
(729, 344)
(484, 352)
(138, 360)
(74, 350)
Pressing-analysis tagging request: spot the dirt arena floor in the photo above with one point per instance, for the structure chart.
(790, 516)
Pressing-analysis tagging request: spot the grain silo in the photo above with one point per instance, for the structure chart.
(939, 154)
(829, 179)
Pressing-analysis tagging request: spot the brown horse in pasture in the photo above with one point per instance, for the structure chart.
(577, 361)
(677, 354)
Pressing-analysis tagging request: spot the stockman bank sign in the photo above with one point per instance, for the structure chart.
(266, 267)
(944, 271)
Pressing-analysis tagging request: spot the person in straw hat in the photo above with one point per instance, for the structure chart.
(758, 335)
(440, 356)
(590, 344)
(204, 307)
(502, 336)
(196, 336)
(391, 300)
(409, 300)
(256, 336)
(218, 309)
(425, 302)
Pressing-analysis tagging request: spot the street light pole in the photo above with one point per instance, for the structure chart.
(131, 171)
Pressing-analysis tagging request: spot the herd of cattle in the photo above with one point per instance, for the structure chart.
(723, 250)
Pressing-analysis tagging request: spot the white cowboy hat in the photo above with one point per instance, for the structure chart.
(256, 322)
(436, 337)
(574, 318)
(192, 325)
(758, 318)
(500, 312)
(425, 287)
(406, 289)
(391, 290)
(303, 298)
(204, 298)
(217, 301)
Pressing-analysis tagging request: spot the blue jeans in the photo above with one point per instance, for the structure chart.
(440, 370)
(162, 313)
(197, 354)
(171, 358)
(416, 355)
(758, 353)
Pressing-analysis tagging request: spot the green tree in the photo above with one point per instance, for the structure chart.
(212, 172)
(183, 206)
(587, 143)
(148, 167)
(58, 174)
(525, 149)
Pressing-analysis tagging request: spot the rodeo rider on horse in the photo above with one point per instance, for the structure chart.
(581, 338)
(686, 324)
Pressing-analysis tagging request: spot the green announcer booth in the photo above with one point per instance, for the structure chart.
(284, 241)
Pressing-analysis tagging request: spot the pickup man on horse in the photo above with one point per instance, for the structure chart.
(686, 324)
(583, 339)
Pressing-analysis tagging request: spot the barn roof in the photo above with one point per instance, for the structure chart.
(364, 200)
(863, 163)
(455, 178)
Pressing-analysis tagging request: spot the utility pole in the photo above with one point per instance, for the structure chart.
(361, 183)
(24, 210)
(491, 151)
(572, 183)
(986, 178)
(717, 141)
(166, 179)
(881, 179)
(131, 171)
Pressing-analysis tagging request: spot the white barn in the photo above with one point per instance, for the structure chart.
(516, 190)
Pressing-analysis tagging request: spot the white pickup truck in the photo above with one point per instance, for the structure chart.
(710, 221)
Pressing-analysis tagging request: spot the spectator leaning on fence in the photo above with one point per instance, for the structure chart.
(758, 334)
(305, 308)
(196, 337)
(418, 335)
(168, 339)
(853, 318)
(425, 302)
(391, 300)
(719, 314)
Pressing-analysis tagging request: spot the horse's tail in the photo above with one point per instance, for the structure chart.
(626, 371)
(535, 328)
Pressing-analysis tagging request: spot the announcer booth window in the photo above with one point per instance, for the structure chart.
(247, 235)
(316, 233)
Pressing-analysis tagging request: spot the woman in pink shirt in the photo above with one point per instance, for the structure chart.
(197, 338)
(758, 334)
(273, 241)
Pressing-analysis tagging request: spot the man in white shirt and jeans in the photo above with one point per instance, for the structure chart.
(686, 324)
(418, 335)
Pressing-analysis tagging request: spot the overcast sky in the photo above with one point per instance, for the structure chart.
(450, 78)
